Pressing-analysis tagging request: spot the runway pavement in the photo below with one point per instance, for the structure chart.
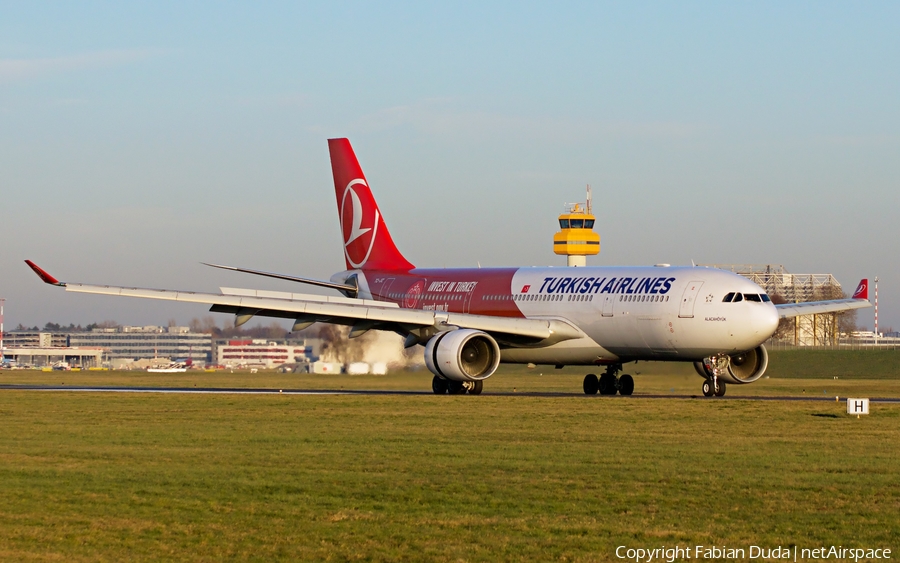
(272, 391)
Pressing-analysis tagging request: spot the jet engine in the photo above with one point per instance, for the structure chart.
(462, 355)
(745, 367)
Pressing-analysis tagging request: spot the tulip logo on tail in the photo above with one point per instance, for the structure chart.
(862, 290)
(359, 230)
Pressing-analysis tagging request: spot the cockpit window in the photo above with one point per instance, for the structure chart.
(563, 223)
(576, 223)
(755, 297)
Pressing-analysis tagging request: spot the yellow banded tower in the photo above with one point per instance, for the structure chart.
(576, 239)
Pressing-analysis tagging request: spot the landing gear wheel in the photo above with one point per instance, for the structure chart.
(456, 387)
(591, 384)
(607, 384)
(439, 385)
(474, 387)
(708, 390)
(626, 385)
(720, 392)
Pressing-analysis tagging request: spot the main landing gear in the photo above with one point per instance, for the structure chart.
(441, 386)
(609, 383)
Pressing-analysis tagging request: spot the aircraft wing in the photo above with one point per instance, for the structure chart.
(859, 300)
(362, 314)
(786, 310)
(341, 310)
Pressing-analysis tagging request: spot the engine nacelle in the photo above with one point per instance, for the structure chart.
(745, 367)
(462, 355)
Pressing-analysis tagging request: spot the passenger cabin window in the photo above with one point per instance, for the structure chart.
(576, 223)
(563, 223)
(588, 223)
(728, 298)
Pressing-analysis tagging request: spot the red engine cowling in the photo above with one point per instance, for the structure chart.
(462, 355)
(745, 367)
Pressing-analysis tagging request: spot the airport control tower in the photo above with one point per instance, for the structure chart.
(576, 238)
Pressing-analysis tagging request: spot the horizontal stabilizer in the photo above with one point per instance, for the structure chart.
(349, 289)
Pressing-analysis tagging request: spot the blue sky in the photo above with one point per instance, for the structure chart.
(137, 139)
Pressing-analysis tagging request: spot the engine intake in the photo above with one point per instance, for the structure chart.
(745, 367)
(462, 355)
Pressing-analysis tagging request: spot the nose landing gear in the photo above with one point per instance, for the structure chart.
(711, 387)
(712, 367)
(609, 383)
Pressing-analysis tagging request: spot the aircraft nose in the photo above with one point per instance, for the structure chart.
(766, 322)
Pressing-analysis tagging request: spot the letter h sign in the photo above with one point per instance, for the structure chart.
(857, 406)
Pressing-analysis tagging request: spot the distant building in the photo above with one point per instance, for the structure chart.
(123, 344)
(248, 352)
(50, 356)
(35, 339)
(143, 342)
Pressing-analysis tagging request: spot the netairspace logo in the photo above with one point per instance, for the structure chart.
(753, 552)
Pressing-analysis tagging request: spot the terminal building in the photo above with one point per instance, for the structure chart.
(132, 346)
(109, 347)
(129, 343)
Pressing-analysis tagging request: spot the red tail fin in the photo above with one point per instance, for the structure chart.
(367, 242)
(862, 290)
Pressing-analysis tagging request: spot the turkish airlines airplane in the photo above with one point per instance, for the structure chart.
(471, 320)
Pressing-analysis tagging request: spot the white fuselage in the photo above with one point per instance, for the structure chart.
(625, 313)
(649, 313)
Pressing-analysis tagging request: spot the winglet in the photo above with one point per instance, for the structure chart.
(45, 277)
(862, 290)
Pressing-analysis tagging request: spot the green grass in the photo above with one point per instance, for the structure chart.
(111, 477)
(799, 373)
(92, 477)
(849, 364)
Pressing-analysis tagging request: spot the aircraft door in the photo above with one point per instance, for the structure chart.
(608, 300)
(386, 288)
(468, 299)
(689, 299)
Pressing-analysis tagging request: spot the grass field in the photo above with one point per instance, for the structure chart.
(800, 373)
(111, 477)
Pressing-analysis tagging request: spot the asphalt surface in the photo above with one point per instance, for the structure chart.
(272, 391)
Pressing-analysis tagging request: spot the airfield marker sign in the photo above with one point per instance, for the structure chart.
(857, 406)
